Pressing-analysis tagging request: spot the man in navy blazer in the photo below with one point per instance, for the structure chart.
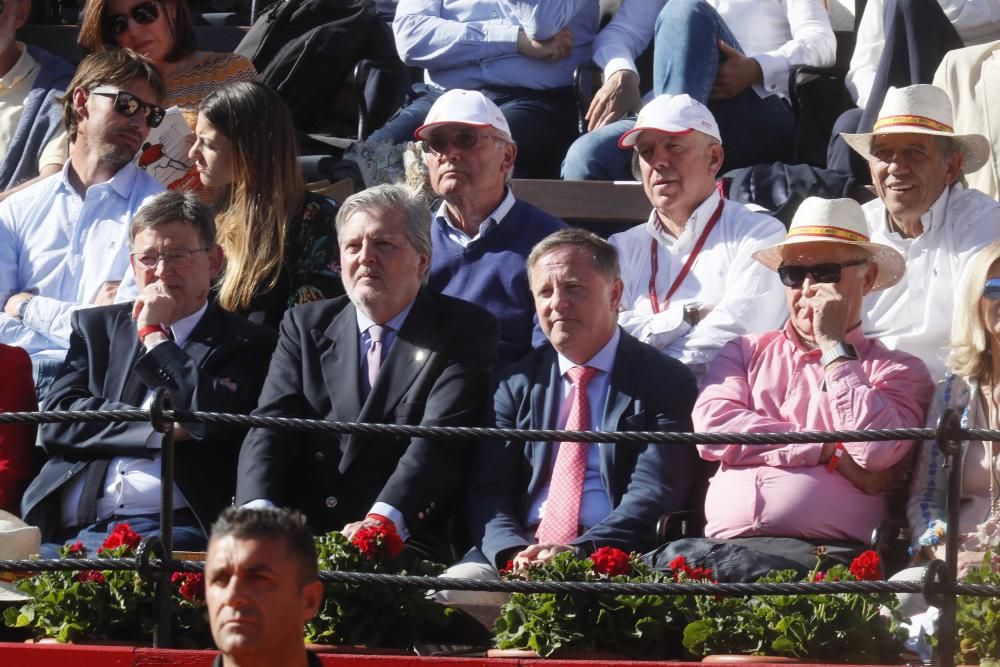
(434, 369)
(575, 281)
(99, 474)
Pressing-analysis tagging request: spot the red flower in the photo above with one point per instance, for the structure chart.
(820, 576)
(378, 541)
(611, 561)
(122, 535)
(90, 575)
(699, 573)
(191, 585)
(74, 550)
(506, 569)
(679, 564)
(866, 567)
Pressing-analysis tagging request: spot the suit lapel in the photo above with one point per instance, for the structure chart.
(206, 336)
(546, 394)
(122, 382)
(340, 361)
(621, 399)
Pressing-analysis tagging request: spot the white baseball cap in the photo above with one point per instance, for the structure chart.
(672, 114)
(463, 107)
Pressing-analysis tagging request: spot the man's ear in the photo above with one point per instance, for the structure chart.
(216, 260)
(717, 155)
(22, 10)
(953, 168)
(79, 96)
(312, 598)
(871, 275)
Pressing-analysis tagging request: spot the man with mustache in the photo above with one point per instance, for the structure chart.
(390, 352)
(691, 284)
(481, 233)
(924, 212)
(64, 240)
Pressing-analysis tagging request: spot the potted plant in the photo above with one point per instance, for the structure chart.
(977, 619)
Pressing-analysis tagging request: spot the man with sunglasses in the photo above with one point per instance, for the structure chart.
(32, 138)
(63, 240)
(769, 506)
(211, 360)
(481, 234)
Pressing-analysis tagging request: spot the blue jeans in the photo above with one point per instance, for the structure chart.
(44, 371)
(188, 535)
(686, 60)
(542, 124)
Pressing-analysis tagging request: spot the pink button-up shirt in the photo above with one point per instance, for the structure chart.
(770, 383)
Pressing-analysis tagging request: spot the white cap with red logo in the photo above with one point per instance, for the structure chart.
(463, 107)
(672, 114)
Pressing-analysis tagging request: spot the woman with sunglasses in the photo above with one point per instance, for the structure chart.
(973, 391)
(279, 240)
(162, 31)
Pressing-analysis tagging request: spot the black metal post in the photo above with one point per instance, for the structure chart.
(162, 635)
(948, 443)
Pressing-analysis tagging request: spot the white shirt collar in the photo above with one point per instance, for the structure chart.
(699, 218)
(497, 216)
(182, 328)
(395, 323)
(604, 360)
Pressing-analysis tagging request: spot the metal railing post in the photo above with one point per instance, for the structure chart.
(162, 635)
(947, 441)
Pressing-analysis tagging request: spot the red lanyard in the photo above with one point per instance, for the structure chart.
(655, 264)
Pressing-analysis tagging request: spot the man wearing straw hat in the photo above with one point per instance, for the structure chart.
(923, 211)
(769, 506)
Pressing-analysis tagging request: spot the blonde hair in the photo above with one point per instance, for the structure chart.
(971, 348)
(267, 190)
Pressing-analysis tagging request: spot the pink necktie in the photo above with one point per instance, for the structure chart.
(561, 520)
(375, 333)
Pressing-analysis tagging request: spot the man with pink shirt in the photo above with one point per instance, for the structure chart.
(769, 506)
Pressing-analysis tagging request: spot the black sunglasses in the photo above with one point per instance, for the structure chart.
(143, 14)
(128, 104)
(793, 275)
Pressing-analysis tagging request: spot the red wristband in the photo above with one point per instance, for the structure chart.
(151, 328)
(834, 461)
(381, 519)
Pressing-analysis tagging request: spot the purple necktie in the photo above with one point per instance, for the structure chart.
(375, 333)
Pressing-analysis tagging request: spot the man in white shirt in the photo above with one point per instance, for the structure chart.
(732, 56)
(691, 283)
(923, 211)
(100, 474)
(63, 240)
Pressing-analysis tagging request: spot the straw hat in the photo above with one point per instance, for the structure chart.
(836, 221)
(18, 541)
(922, 109)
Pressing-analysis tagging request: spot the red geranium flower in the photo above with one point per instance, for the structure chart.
(611, 561)
(75, 550)
(378, 541)
(90, 575)
(699, 573)
(506, 569)
(867, 567)
(122, 535)
(820, 576)
(191, 585)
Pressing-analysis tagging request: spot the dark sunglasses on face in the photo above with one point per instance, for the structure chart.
(463, 139)
(991, 290)
(143, 14)
(793, 275)
(128, 104)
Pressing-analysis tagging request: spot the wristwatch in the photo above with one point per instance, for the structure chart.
(839, 351)
(23, 307)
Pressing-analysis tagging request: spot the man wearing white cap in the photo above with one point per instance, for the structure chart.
(481, 234)
(769, 506)
(923, 211)
(691, 284)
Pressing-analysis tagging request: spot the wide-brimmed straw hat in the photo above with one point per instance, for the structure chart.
(922, 109)
(18, 541)
(836, 221)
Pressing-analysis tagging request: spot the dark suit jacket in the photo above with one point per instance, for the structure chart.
(648, 391)
(104, 370)
(436, 373)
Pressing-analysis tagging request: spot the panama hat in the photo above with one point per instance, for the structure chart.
(18, 541)
(836, 221)
(921, 109)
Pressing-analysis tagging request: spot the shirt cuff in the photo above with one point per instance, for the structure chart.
(503, 37)
(618, 64)
(394, 515)
(775, 70)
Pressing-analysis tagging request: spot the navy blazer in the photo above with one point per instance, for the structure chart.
(107, 368)
(436, 373)
(648, 391)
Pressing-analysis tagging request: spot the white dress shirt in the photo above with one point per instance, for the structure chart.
(738, 295)
(776, 33)
(132, 484)
(595, 504)
(914, 315)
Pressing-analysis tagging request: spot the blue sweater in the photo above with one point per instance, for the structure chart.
(492, 272)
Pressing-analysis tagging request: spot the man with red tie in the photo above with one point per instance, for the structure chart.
(534, 500)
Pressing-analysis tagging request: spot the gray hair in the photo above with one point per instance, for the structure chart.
(389, 198)
(172, 206)
(604, 255)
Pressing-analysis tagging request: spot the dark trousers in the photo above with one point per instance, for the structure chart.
(187, 534)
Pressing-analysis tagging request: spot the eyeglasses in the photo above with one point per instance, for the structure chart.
(177, 259)
(438, 142)
(128, 104)
(793, 275)
(143, 14)
(991, 290)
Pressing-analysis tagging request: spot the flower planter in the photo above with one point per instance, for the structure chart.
(530, 654)
(730, 659)
(347, 649)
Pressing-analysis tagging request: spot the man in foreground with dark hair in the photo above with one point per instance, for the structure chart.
(261, 586)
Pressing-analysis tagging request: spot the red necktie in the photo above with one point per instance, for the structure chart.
(561, 520)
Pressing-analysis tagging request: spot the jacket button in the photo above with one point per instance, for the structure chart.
(319, 456)
(331, 502)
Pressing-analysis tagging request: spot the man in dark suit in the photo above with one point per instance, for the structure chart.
(101, 474)
(531, 501)
(390, 352)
